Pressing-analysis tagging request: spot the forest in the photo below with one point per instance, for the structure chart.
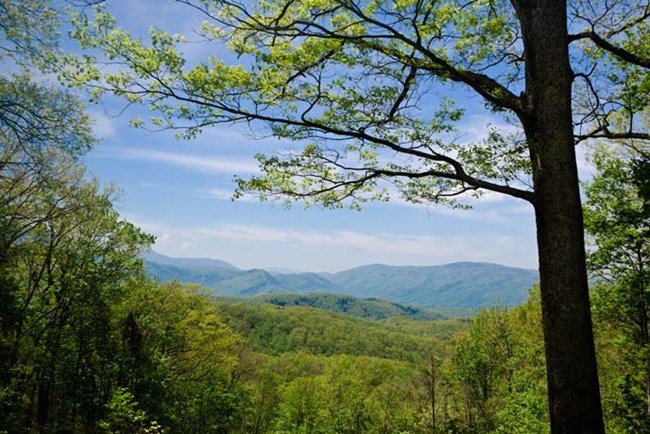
(90, 344)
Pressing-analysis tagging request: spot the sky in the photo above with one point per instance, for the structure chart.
(180, 192)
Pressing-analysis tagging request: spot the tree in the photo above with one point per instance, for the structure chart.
(40, 189)
(28, 29)
(67, 257)
(617, 218)
(429, 381)
(361, 85)
(180, 366)
(523, 407)
(480, 361)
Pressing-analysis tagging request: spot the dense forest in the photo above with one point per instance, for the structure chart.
(370, 308)
(88, 343)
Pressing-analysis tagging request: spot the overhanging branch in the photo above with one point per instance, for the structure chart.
(619, 52)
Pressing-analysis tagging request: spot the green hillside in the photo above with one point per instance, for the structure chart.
(371, 308)
(275, 330)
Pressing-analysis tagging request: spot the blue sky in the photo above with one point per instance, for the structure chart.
(180, 192)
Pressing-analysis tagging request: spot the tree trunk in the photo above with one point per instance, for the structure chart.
(573, 390)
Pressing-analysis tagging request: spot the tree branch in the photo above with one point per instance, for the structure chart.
(604, 133)
(619, 52)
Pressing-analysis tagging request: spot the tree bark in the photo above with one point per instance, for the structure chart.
(573, 390)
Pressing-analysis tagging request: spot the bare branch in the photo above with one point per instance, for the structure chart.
(604, 133)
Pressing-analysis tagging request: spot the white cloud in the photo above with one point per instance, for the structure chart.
(103, 125)
(265, 246)
(225, 194)
(585, 169)
(219, 194)
(490, 208)
(490, 196)
(149, 185)
(476, 127)
(199, 163)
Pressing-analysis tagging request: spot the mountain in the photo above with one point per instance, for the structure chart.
(460, 284)
(157, 258)
(226, 279)
(203, 271)
(456, 285)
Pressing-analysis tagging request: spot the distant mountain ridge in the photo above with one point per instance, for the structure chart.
(152, 256)
(459, 284)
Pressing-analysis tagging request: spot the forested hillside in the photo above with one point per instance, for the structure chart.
(89, 344)
(369, 308)
(276, 330)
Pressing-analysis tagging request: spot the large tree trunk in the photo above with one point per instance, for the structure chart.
(574, 396)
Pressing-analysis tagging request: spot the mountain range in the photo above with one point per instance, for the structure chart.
(460, 284)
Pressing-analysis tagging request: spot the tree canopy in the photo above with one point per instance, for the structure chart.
(359, 84)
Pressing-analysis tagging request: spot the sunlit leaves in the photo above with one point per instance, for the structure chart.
(615, 218)
(28, 31)
(349, 81)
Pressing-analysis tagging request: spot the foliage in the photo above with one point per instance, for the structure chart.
(177, 350)
(353, 82)
(35, 120)
(119, 354)
(361, 308)
(66, 258)
(88, 344)
(28, 30)
(617, 219)
(497, 366)
(123, 416)
(277, 330)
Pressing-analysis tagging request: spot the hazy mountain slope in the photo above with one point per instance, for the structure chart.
(206, 276)
(226, 279)
(305, 283)
(249, 283)
(462, 284)
(157, 258)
